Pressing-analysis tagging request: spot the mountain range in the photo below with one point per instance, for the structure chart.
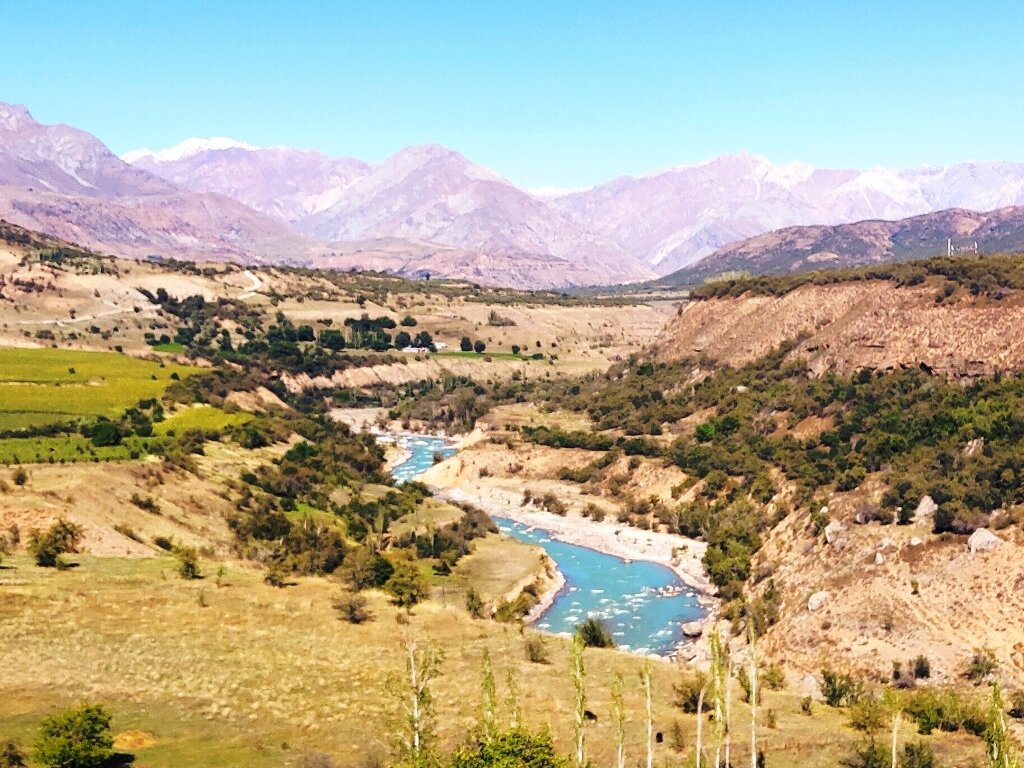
(794, 249)
(430, 209)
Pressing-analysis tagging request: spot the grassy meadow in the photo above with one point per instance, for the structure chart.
(229, 671)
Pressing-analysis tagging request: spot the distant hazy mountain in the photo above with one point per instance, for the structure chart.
(65, 182)
(676, 217)
(428, 208)
(866, 242)
(286, 184)
(421, 194)
(626, 227)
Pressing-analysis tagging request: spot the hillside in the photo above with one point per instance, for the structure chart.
(954, 316)
(796, 249)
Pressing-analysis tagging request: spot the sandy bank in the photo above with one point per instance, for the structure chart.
(679, 553)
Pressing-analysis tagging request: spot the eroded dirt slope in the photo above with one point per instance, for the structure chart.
(853, 325)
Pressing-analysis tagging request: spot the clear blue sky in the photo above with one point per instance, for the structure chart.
(547, 93)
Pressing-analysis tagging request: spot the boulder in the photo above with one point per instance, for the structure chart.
(817, 600)
(973, 446)
(693, 629)
(916, 541)
(924, 510)
(879, 558)
(983, 540)
(832, 531)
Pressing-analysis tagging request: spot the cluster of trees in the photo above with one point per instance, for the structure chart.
(466, 344)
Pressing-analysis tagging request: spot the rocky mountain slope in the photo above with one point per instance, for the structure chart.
(866, 242)
(660, 222)
(65, 182)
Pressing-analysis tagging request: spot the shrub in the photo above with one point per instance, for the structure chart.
(922, 668)
(474, 603)
(867, 714)
(594, 634)
(516, 748)
(981, 664)
(163, 543)
(773, 677)
(20, 476)
(536, 649)
(687, 692)
(1017, 704)
(11, 756)
(188, 562)
(351, 608)
(840, 690)
(63, 537)
(75, 738)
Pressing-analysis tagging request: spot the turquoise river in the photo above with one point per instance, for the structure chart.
(643, 604)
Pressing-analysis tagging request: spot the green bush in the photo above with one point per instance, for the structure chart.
(63, 537)
(188, 562)
(76, 738)
(516, 748)
(11, 756)
(594, 634)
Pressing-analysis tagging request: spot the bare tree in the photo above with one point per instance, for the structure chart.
(488, 696)
(579, 682)
(619, 722)
(422, 665)
(645, 681)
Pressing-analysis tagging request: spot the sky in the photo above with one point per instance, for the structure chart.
(549, 94)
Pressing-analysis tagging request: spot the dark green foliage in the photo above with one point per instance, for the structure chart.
(687, 692)
(987, 276)
(516, 748)
(474, 603)
(105, 433)
(11, 756)
(921, 667)
(594, 634)
(945, 710)
(351, 608)
(407, 585)
(75, 738)
(840, 690)
(63, 537)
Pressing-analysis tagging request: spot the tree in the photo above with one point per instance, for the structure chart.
(332, 338)
(408, 321)
(407, 585)
(1001, 753)
(106, 433)
(75, 738)
(579, 682)
(466, 345)
(416, 729)
(403, 340)
(488, 697)
(515, 349)
(479, 347)
(63, 537)
(619, 722)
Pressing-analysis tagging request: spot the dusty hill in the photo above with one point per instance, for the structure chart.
(865, 242)
(853, 325)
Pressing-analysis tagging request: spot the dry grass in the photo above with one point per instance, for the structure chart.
(260, 675)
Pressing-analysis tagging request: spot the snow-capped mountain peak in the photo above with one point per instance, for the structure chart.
(187, 148)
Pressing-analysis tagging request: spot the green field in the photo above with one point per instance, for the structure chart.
(482, 355)
(43, 386)
(202, 417)
(171, 346)
(63, 448)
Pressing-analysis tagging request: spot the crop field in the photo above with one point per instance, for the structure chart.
(202, 417)
(43, 386)
(64, 449)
